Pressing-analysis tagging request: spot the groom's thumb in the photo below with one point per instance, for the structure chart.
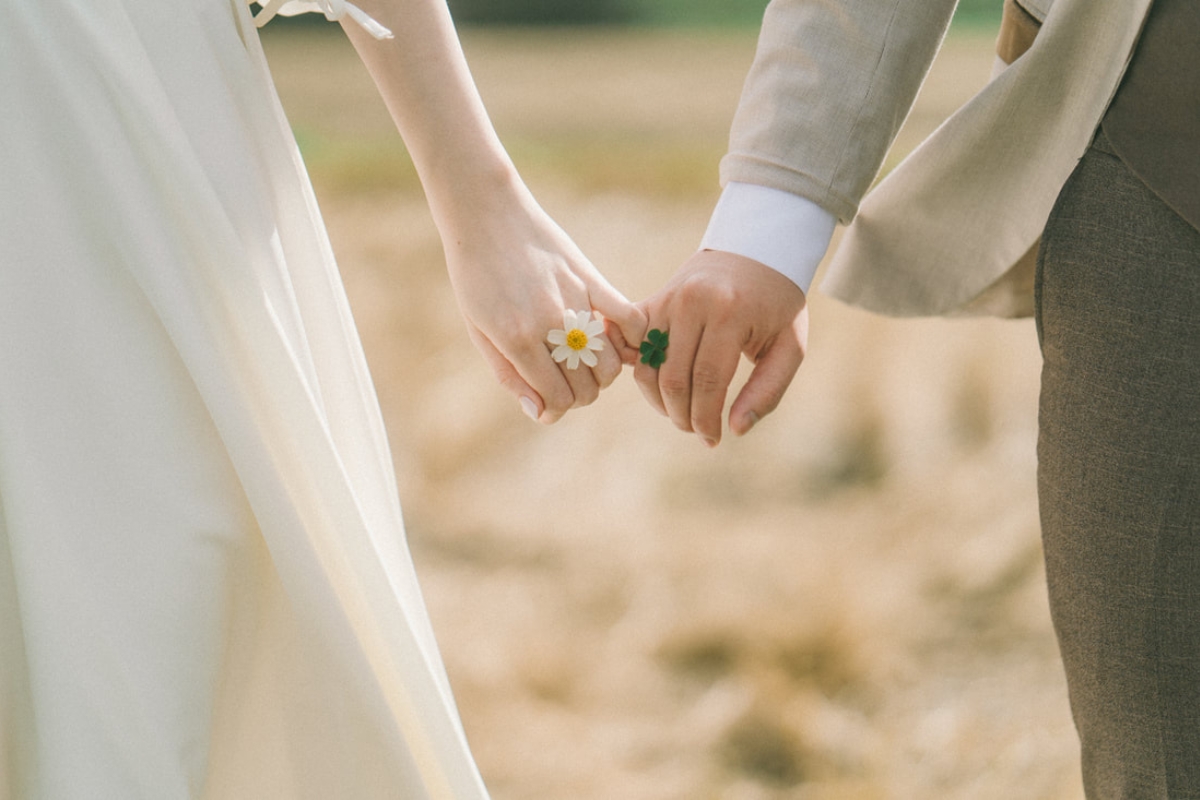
(768, 381)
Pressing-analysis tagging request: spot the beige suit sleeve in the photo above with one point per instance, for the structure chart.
(830, 86)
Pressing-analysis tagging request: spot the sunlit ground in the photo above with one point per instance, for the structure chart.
(848, 603)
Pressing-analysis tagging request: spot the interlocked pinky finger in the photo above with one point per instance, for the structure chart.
(650, 358)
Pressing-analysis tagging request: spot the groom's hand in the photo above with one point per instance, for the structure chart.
(715, 308)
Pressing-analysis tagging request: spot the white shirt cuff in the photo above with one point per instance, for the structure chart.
(785, 231)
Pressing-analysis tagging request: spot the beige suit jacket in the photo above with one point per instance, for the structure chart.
(954, 228)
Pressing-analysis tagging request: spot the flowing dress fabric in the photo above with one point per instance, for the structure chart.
(204, 586)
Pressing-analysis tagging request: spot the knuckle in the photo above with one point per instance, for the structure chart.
(770, 401)
(508, 378)
(674, 385)
(528, 355)
(525, 333)
(708, 378)
(708, 293)
(559, 401)
(503, 371)
(690, 292)
(585, 396)
(607, 373)
(511, 383)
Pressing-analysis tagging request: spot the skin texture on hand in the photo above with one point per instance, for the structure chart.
(513, 269)
(718, 307)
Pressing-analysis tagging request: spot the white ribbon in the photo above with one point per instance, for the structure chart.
(333, 10)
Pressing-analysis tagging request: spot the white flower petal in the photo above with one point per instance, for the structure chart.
(557, 337)
(588, 357)
(573, 360)
(562, 353)
(594, 328)
(568, 319)
(595, 344)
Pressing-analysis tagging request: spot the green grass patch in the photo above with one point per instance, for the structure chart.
(978, 15)
(661, 166)
(700, 13)
(971, 14)
(664, 167)
(357, 165)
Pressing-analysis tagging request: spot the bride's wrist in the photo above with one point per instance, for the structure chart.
(483, 204)
(474, 195)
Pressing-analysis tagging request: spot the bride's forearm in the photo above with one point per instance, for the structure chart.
(424, 80)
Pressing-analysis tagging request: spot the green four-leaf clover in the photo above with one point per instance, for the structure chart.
(654, 349)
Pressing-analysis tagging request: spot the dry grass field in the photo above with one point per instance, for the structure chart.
(848, 603)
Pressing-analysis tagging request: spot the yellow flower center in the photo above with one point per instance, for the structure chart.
(576, 339)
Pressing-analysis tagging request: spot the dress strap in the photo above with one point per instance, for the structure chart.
(333, 10)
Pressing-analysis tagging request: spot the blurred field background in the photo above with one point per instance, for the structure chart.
(848, 603)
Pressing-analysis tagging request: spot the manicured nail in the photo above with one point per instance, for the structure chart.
(751, 420)
(708, 441)
(530, 408)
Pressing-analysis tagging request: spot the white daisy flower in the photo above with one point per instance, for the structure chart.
(578, 339)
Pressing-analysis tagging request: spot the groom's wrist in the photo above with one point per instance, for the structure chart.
(784, 231)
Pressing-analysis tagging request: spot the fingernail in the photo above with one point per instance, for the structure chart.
(530, 408)
(751, 420)
(708, 441)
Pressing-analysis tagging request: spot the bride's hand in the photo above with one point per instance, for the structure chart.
(515, 272)
(513, 269)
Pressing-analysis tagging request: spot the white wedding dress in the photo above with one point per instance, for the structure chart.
(204, 586)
